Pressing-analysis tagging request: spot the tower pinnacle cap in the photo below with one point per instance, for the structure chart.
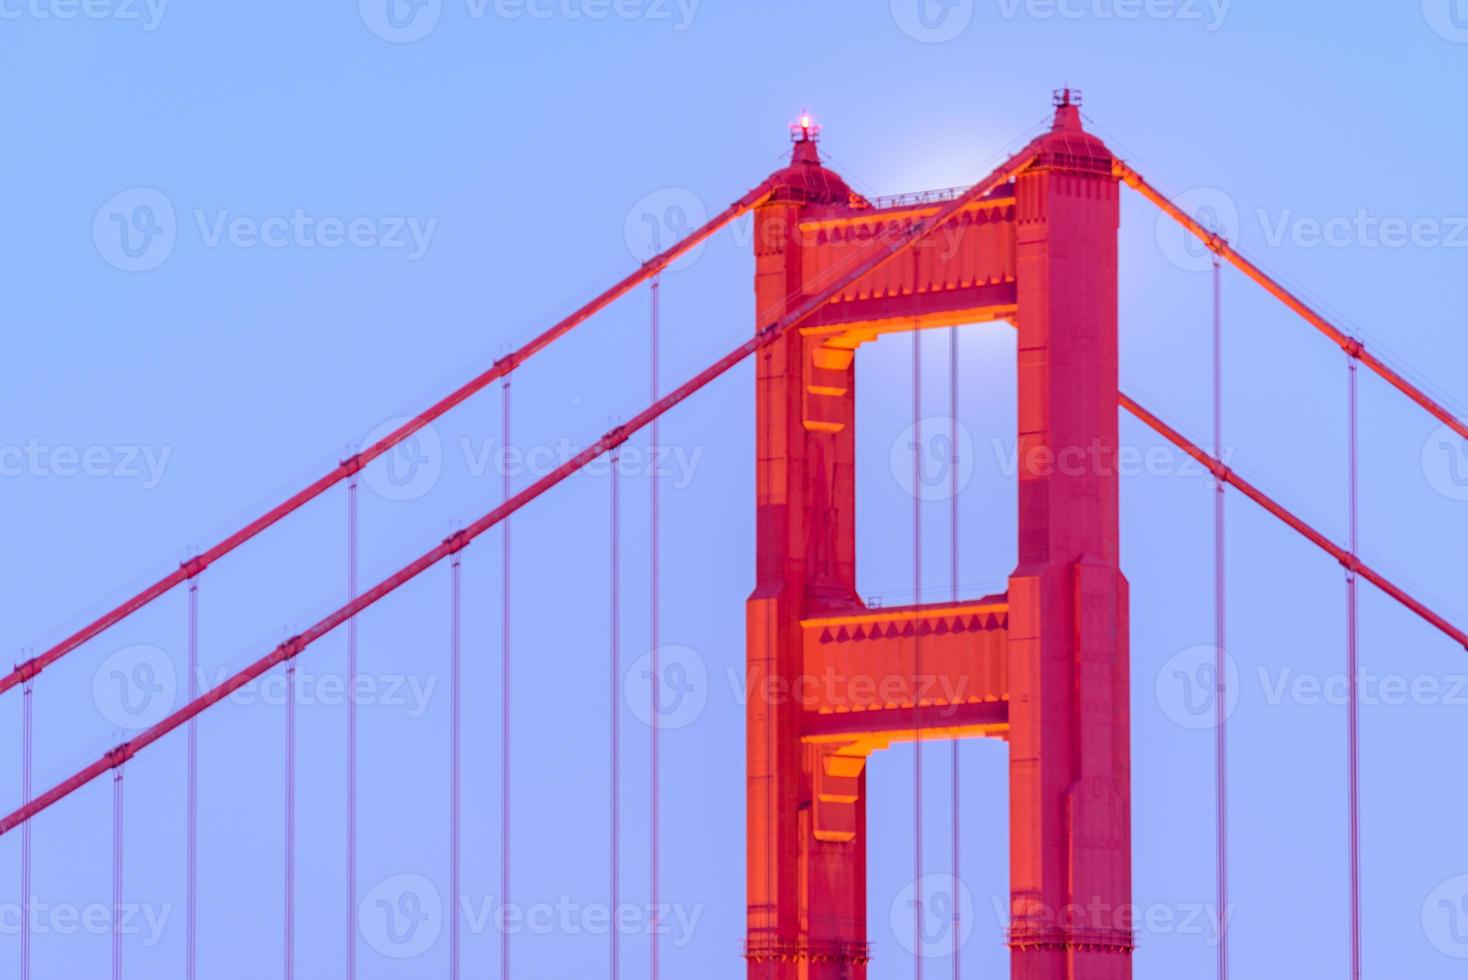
(1067, 109)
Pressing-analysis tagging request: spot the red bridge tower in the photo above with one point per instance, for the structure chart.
(1043, 666)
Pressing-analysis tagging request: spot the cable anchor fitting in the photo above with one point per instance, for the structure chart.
(291, 649)
(28, 669)
(616, 438)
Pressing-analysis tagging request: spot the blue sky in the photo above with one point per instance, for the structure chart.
(331, 220)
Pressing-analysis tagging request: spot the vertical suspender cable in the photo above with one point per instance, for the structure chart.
(1220, 703)
(290, 820)
(1353, 718)
(917, 668)
(505, 692)
(953, 489)
(191, 819)
(27, 748)
(455, 716)
(615, 693)
(656, 665)
(117, 873)
(352, 732)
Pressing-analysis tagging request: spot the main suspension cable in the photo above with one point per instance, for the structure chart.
(1325, 544)
(885, 251)
(353, 465)
(1353, 346)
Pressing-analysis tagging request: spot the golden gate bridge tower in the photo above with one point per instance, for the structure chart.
(1043, 667)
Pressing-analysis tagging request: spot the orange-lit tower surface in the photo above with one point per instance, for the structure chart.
(1043, 666)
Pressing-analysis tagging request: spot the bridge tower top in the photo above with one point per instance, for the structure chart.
(1067, 108)
(807, 180)
(1068, 146)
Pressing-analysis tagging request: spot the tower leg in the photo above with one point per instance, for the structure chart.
(806, 807)
(1070, 782)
